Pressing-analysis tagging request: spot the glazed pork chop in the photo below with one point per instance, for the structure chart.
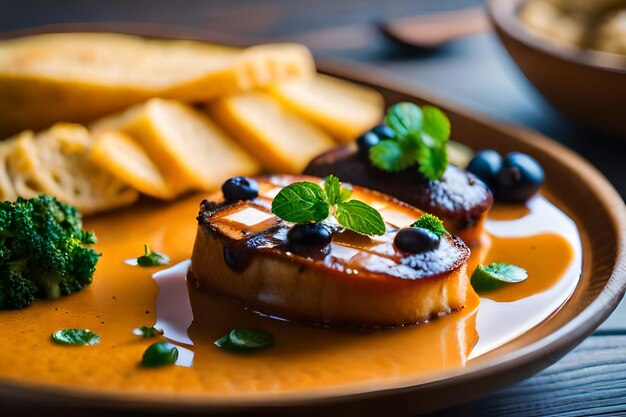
(242, 253)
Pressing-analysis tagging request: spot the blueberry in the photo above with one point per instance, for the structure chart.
(309, 235)
(519, 179)
(416, 240)
(240, 188)
(383, 132)
(486, 165)
(366, 141)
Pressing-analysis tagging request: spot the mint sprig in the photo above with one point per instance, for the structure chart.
(420, 137)
(304, 202)
(430, 222)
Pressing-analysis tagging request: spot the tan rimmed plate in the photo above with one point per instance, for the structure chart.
(583, 193)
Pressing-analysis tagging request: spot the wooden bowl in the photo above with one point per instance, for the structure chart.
(588, 86)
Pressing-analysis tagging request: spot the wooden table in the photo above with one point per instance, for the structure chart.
(475, 72)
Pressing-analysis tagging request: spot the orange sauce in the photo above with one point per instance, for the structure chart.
(545, 257)
(124, 297)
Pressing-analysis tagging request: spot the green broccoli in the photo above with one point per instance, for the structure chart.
(42, 251)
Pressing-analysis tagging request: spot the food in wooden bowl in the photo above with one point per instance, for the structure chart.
(358, 269)
(595, 24)
(587, 85)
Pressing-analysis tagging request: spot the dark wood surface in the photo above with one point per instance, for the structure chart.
(474, 72)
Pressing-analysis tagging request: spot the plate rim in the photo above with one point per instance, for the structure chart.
(552, 346)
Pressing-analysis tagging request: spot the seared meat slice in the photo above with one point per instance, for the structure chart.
(242, 253)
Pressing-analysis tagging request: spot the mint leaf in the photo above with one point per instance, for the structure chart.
(495, 275)
(335, 191)
(420, 136)
(75, 337)
(245, 339)
(301, 202)
(159, 354)
(436, 124)
(432, 158)
(150, 258)
(404, 118)
(332, 187)
(430, 222)
(361, 218)
(392, 156)
(147, 332)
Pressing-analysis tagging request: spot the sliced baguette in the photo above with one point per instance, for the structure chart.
(56, 162)
(190, 151)
(124, 158)
(282, 140)
(344, 109)
(78, 77)
(256, 67)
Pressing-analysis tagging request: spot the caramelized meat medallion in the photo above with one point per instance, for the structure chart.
(242, 253)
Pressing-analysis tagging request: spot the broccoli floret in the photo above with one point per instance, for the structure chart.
(15, 290)
(42, 251)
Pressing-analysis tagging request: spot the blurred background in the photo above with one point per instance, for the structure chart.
(457, 58)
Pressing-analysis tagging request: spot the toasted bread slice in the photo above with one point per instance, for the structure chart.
(256, 67)
(123, 157)
(282, 140)
(56, 162)
(459, 198)
(343, 109)
(241, 252)
(78, 77)
(189, 149)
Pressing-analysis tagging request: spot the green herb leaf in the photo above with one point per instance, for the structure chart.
(304, 202)
(361, 218)
(494, 275)
(335, 191)
(75, 337)
(392, 156)
(430, 222)
(436, 124)
(420, 136)
(146, 331)
(245, 339)
(432, 158)
(159, 354)
(301, 202)
(332, 187)
(404, 118)
(150, 258)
